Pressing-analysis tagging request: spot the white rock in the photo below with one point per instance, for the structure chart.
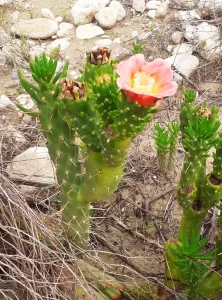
(106, 17)
(103, 43)
(3, 58)
(25, 101)
(211, 5)
(121, 13)
(47, 13)
(14, 16)
(183, 49)
(186, 64)
(27, 119)
(104, 36)
(84, 11)
(39, 28)
(33, 165)
(151, 14)
(102, 3)
(36, 51)
(66, 26)
(177, 37)
(161, 11)
(5, 102)
(117, 40)
(5, 2)
(54, 37)
(4, 37)
(189, 15)
(88, 31)
(59, 19)
(186, 4)
(139, 5)
(119, 51)
(134, 33)
(153, 4)
(62, 43)
(144, 35)
(62, 33)
(207, 38)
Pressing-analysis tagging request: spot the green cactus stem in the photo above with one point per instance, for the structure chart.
(174, 130)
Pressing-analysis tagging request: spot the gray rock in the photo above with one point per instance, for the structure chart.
(144, 35)
(25, 101)
(153, 4)
(161, 11)
(189, 15)
(103, 43)
(3, 58)
(121, 13)
(119, 52)
(88, 31)
(106, 17)
(151, 14)
(4, 37)
(33, 165)
(183, 49)
(207, 38)
(177, 37)
(5, 102)
(47, 13)
(139, 5)
(84, 11)
(186, 64)
(39, 28)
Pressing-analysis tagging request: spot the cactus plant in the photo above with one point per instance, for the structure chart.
(102, 116)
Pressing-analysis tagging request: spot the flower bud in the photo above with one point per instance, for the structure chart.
(72, 89)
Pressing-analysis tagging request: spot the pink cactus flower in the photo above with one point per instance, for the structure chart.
(146, 83)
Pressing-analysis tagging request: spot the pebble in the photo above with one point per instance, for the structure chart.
(5, 2)
(186, 4)
(62, 33)
(14, 16)
(47, 13)
(88, 31)
(59, 19)
(139, 5)
(62, 43)
(102, 3)
(83, 12)
(183, 48)
(117, 40)
(151, 14)
(5, 102)
(153, 4)
(103, 43)
(39, 28)
(121, 13)
(106, 17)
(25, 101)
(177, 37)
(33, 165)
(161, 11)
(3, 58)
(144, 35)
(186, 64)
(134, 34)
(66, 26)
(189, 15)
(27, 119)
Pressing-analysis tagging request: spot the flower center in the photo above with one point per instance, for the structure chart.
(143, 83)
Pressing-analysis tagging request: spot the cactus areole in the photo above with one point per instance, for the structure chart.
(96, 111)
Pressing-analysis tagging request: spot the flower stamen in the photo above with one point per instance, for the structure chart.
(142, 82)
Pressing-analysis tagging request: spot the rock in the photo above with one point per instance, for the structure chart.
(189, 15)
(62, 33)
(207, 37)
(139, 5)
(47, 13)
(3, 58)
(27, 119)
(59, 19)
(103, 43)
(14, 16)
(66, 26)
(102, 3)
(186, 64)
(144, 35)
(25, 101)
(119, 51)
(62, 43)
(105, 36)
(161, 11)
(153, 4)
(36, 51)
(5, 2)
(177, 37)
(106, 17)
(39, 28)
(83, 11)
(151, 14)
(88, 31)
(33, 165)
(121, 13)
(213, 6)
(54, 37)
(134, 33)
(183, 49)
(185, 4)
(16, 135)
(117, 40)
(5, 102)
(4, 37)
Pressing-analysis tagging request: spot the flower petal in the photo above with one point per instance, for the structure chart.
(168, 89)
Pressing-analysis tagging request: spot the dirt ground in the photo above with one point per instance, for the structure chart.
(144, 213)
